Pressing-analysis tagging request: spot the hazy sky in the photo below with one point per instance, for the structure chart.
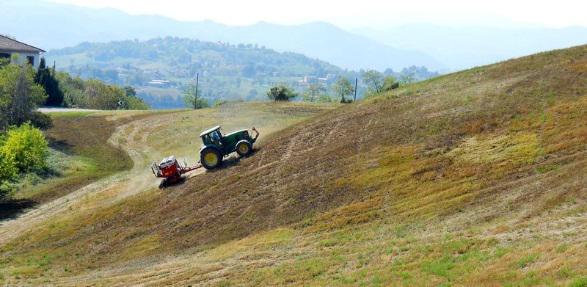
(364, 13)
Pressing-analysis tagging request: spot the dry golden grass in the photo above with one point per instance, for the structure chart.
(473, 178)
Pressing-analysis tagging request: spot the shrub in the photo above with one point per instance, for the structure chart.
(8, 172)
(8, 168)
(41, 121)
(281, 93)
(219, 103)
(390, 83)
(27, 145)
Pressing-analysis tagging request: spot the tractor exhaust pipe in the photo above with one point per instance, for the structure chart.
(256, 134)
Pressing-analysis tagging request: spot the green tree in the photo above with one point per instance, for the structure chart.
(281, 93)
(192, 99)
(95, 94)
(408, 77)
(4, 62)
(324, 98)
(313, 92)
(134, 103)
(390, 83)
(343, 87)
(130, 91)
(130, 101)
(19, 95)
(46, 78)
(101, 96)
(374, 81)
(72, 88)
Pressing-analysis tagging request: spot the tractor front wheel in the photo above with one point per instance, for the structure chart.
(244, 148)
(210, 158)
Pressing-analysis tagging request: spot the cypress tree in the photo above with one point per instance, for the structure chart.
(47, 80)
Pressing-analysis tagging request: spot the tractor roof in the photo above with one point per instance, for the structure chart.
(209, 130)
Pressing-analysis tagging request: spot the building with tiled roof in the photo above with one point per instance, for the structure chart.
(26, 52)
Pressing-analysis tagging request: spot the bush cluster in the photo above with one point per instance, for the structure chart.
(281, 93)
(22, 149)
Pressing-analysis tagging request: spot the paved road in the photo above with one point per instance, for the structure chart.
(63, 110)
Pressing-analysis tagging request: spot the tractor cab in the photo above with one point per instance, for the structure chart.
(216, 145)
(212, 136)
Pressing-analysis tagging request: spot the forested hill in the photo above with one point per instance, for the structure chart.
(164, 66)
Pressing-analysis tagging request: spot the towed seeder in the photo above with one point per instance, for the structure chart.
(171, 170)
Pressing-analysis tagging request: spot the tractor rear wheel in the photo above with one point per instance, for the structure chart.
(210, 158)
(244, 148)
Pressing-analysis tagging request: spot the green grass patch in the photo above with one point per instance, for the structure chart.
(546, 168)
(527, 260)
(441, 267)
(76, 114)
(579, 282)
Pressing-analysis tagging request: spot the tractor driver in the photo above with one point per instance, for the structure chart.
(216, 137)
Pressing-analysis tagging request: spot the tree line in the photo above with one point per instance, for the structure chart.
(63, 90)
(23, 147)
(343, 89)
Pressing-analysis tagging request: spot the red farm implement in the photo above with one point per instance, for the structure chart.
(171, 170)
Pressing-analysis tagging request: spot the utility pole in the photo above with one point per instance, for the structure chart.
(356, 84)
(196, 96)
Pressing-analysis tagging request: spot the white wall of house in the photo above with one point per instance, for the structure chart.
(22, 57)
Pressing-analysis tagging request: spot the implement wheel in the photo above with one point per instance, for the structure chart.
(244, 148)
(210, 158)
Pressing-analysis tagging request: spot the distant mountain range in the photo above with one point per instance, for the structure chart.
(465, 47)
(52, 25)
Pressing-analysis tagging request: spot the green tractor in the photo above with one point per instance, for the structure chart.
(217, 146)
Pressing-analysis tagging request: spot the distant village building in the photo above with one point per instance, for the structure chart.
(307, 80)
(159, 83)
(25, 52)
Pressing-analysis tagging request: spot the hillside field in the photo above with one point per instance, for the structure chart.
(475, 178)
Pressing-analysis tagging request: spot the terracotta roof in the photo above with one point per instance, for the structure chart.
(8, 44)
